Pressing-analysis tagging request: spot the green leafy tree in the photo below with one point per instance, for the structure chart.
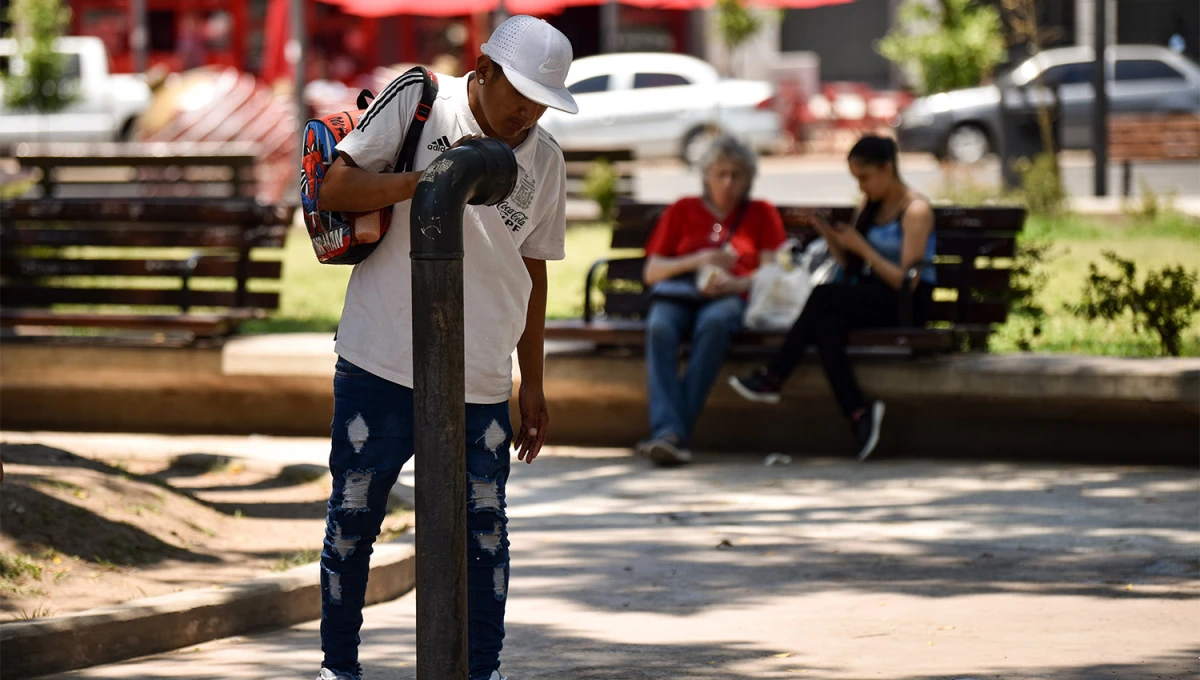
(736, 25)
(1166, 302)
(945, 45)
(39, 83)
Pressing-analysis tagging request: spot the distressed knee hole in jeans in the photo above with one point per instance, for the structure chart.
(489, 542)
(493, 437)
(335, 585)
(355, 487)
(344, 546)
(499, 585)
(485, 494)
(357, 432)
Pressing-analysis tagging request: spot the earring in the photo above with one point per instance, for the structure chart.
(481, 81)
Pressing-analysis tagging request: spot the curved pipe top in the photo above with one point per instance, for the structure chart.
(480, 172)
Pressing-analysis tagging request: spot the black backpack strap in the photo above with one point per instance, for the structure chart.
(365, 98)
(408, 152)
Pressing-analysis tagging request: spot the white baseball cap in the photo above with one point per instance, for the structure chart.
(535, 57)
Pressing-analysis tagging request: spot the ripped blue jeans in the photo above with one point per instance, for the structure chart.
(372, 440)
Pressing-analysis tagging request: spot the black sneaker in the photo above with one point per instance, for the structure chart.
(665, 452)
(759, 386)
(866, 429)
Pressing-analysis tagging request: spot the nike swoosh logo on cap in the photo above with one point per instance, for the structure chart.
(550, 66)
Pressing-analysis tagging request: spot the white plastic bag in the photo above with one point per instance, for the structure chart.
(781, 288)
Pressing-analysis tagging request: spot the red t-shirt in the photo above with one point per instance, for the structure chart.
(689, 226)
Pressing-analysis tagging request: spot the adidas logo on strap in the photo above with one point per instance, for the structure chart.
(440, 144)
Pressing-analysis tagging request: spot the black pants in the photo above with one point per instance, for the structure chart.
(830, 313)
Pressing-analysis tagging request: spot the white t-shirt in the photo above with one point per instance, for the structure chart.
(375, 332)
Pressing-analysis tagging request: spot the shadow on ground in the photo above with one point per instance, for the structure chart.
(751, 532)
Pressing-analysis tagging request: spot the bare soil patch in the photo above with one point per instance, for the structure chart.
(77, 533)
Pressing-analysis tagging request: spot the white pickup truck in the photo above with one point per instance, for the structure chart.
(105, 110)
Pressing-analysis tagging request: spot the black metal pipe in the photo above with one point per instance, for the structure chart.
(480, 172)
(1100, 104)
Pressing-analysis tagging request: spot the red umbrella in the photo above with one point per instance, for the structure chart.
(381, 8)
(425, 8)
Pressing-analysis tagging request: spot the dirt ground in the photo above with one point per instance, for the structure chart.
(77, 533)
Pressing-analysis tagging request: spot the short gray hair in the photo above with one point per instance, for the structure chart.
(730, 148)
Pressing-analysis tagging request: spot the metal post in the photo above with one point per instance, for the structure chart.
(294, 53)
(610, 27)
(138, 37)
(1100, 106)
(478, 172)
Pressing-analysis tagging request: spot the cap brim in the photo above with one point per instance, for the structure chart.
(555, 98)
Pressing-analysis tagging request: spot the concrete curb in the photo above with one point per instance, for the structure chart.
(160, 624)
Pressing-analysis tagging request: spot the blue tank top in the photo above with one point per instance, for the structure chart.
(888, 239)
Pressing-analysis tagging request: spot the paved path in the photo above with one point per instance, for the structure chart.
(730, 569)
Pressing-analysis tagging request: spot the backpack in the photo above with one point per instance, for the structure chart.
(349, 237)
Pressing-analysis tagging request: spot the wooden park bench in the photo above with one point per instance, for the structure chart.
(190, 264)
(579, 162)
(140, 170)
(973, 260)
(1152, 138)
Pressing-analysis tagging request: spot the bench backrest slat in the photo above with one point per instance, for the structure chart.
(1154, 137)
(172, 211)
(123, 236)
(18, 296)
(55, 249)
(215, 266)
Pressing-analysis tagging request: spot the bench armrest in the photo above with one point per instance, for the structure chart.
(588, 313)
(186, 269)
(907, 291)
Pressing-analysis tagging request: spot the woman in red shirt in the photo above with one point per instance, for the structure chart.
(699, 263)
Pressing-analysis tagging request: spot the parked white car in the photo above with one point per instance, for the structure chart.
(105, 110)
(660, 105)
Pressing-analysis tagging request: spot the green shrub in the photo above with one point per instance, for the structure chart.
(1041, 185)
(1151, 206)
(1030, 274)
(41, 85)
(1165, 302)
(600, 185)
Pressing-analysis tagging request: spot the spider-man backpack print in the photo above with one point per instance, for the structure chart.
(349, 237)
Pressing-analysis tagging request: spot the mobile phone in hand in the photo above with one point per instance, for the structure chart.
(821, 217)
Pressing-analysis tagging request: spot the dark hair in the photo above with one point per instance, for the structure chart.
(877, 151)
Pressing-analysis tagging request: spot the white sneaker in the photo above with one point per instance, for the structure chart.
(327, 674)
(664, 453)
(496, 676)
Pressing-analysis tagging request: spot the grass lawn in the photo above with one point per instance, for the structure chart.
(1173, 240)
(312, 293)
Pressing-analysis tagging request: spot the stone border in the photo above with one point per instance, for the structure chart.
(161, 624)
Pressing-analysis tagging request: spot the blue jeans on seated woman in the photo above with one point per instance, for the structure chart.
(676, 401)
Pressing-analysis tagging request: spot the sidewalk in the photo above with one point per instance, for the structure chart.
(819, 569)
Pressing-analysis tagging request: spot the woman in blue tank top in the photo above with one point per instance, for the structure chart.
(892, 235)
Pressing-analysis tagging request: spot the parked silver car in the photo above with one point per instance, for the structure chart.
(963, 125)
